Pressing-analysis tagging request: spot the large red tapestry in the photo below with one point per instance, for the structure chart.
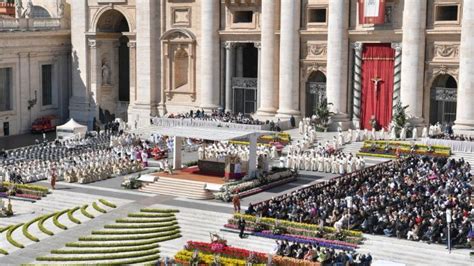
(377, 84)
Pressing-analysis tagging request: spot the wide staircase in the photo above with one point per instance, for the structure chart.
(178, 187)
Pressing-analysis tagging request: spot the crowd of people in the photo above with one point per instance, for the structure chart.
(77, 160)
(218, 115)
(325, 256)
(447, 136)
(406, 198)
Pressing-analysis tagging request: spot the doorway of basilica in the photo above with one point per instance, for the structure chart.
(443, 100)
(244, 82)
(110, 58)
(315, 91)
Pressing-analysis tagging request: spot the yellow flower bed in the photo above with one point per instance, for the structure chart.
(406, 147)
(314, 227)
(241, 142)
(185, 256)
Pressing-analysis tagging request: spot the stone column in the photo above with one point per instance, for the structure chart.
(95, 73)
(209, 56)
(357, 83)
(289, 58)
(397, 71)
(337, 58)
(465, 108)
(229, 71)
(239, 62)
(148, 69)
(413, 56)
(259, 71)
(177, 145)
(79, 102)
(133, 73)
(268, 101)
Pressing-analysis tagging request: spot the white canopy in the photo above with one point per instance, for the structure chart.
(70, 130)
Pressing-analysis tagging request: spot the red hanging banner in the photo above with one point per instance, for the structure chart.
(371, 11)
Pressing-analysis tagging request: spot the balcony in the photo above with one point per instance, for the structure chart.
(31, 24)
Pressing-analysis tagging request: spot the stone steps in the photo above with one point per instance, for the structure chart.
(178, 187)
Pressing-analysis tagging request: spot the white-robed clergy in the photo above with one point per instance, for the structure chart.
(424, 133)
(403, 134)
(415, 133)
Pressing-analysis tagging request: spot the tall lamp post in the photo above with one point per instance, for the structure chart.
(349, 207)
(449, 219)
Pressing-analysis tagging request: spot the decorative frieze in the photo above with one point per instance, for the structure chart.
(244, 82)
(445, 51)
(316, 50)
(307, 69)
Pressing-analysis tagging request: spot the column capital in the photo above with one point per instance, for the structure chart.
(229, 45)
(132, 44)
(93, 43)
(397, 46)
(357, 46)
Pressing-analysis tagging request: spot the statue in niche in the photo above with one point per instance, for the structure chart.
(19, 9)
(105, 73)
(61, 8)
(29, 10)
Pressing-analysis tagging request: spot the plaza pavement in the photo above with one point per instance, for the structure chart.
(199, 218)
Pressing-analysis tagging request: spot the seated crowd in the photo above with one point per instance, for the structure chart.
(78, 160)
(326, 256)
(216, 115)
(406, 198)
(447, 136)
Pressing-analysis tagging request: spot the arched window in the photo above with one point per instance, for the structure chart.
(40, 12)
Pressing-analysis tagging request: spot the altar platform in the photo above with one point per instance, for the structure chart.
(188, 183)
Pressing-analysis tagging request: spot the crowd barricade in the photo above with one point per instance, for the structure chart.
(456, 145)
(190, 122)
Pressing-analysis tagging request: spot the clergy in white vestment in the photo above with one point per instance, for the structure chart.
(424, 133)
(373, 135)
(403, 133)
(321, 164)
(393, 133)
(382, 134)
(415, 133)
(301, 127)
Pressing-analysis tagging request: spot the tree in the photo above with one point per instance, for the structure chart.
(322, 113)
(399, 119)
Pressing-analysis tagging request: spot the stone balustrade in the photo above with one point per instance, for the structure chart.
(33, 24)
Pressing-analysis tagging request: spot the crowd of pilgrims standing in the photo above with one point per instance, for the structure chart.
(218, 115)
(83, 160)
(406, 198)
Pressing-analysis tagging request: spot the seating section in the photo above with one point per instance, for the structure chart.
(131, 240)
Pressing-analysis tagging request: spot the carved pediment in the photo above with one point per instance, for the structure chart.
(310, 68)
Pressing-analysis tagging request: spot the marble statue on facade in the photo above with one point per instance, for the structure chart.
(60, 8)
(28, 13)
(19, 9)
(105, 74)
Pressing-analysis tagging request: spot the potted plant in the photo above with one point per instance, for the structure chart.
(322, 115)
(399, 119)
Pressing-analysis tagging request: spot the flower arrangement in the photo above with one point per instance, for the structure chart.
(387, 149)
(223, 250)
(247, 188)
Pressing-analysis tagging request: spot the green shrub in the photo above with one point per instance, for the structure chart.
(3, 229)
(101, 256)
(159, 210)
(109, 250)
(56, 219)
(27, 186)
(134, 232)
(85, 213)
(97, 208)
(133, 220)
(150, 215)
(137, 225)
(122, 243)
(70, 215)
(148, 259)
(107, 203)
(9, 236)
(27, 225)
(41, 224)
(127, 237)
